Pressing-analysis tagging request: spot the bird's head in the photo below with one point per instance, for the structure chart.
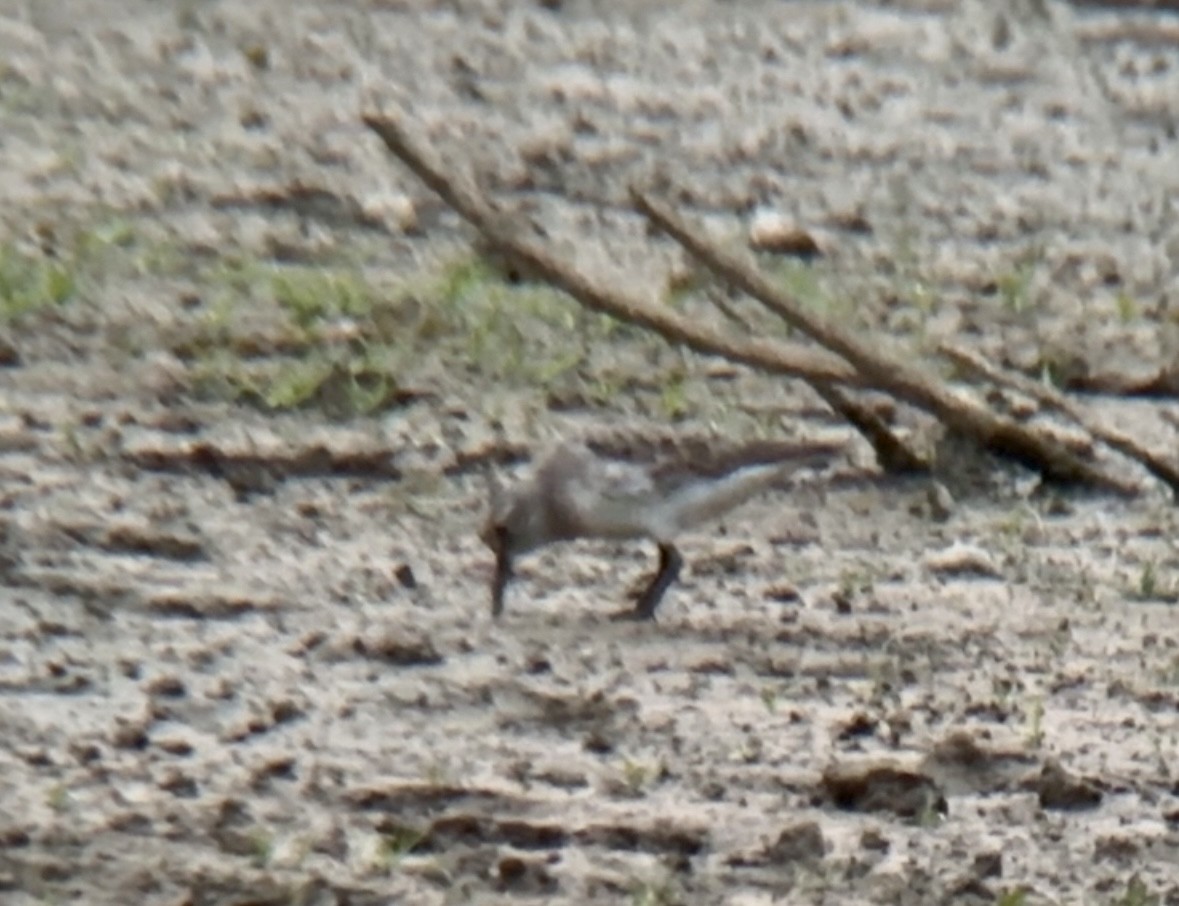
(515, 522)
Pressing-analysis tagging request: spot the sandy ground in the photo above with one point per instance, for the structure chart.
(246, 655)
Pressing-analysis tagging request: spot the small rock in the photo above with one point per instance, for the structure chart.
(289, 851)
(285, 710)
(307, 642)
(853, 220)
(129, 734)
(783, 593)
(988, 864)
(1059, 506)
(873, 840)
(940, 501)
(210, 603)
(1063, 791)
(16, 434)
(166, 686)
(797, 843)
(962, 766)
(404, 575)
(9, 354)
(85, 752)
(178, 783)
(244, 726)
(525, 877)
(771, 231)
(340, 332)
(274, 766)
(396, 212)
(562, 777)
(399, 648)
(962, 560)
(175, 744)
(12, 837)
(1115, 849)
(859, 724)
(1022, 407)
(882, 786)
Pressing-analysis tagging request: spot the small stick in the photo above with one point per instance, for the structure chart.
(511, 237)
(892, 455)
(503, 235)
(1159, 466)
(885, 371)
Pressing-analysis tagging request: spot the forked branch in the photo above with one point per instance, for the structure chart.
(861, 365)
(882, 370)
(511, 239)
(1158, 465)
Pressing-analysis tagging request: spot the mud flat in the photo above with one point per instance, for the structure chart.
(251, 369)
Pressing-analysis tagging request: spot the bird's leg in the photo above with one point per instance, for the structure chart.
(670, 563)
(503, 574)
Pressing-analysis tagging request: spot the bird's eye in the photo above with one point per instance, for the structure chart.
(500, 537)
(493, 535)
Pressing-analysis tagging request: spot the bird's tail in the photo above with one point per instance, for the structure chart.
(704, 501)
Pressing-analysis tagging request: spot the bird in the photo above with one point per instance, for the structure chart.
(581, 489)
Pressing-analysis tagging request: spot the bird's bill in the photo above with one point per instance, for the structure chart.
(499, 584)
(498, 542)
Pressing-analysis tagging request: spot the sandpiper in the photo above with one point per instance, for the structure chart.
(586, 490)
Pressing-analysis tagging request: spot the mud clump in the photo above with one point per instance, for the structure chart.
(882, 787)
(1060, 790)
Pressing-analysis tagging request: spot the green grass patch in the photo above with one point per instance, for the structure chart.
(1015, 287)
(312, 296)
(801, 280)
(293, 337)
(338, 383)
(73, 259)
(29, 283)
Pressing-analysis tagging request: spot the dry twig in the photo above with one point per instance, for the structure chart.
(887, 372)
(1159, 466)
(506, 238)
(892, 455)
(822, 370)
(511, 240)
